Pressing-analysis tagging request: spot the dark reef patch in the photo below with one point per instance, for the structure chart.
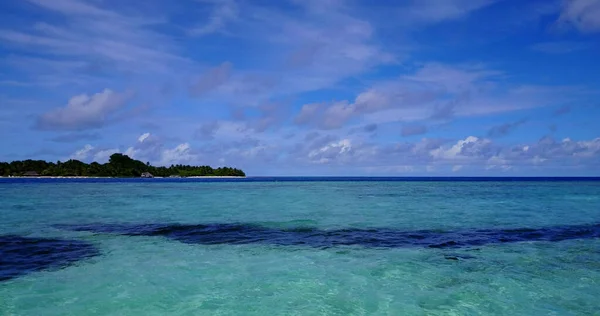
(22, 255)
(210, 234)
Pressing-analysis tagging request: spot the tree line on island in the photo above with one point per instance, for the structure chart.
(119, 165)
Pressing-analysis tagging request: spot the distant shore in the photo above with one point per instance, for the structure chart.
(83, 177)
(221, 177)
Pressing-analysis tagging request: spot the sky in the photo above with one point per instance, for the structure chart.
(306, 87)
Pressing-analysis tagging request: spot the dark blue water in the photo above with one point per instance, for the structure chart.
(238, 234)
(23, 255)
(301, 179)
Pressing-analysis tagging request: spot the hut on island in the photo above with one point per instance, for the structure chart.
(31, 174)
(147, 175)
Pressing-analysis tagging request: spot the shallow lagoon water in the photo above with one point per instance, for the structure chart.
(138, 271)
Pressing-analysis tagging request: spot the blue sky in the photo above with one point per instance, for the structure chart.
(329, 87)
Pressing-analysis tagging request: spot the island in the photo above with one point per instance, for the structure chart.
(118, 166)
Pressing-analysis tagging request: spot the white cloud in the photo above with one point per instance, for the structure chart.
(84, 111)
(101, 37)
(131, 152)
(409, 98)
(337, 114)
(537, 160)
(103, 156)
(230, 131)
(581, 14)
(254, 151)
(307, 113)
(497, 162)
(90, 153)
(589, 148)
(178, 155)
(223, 12)
(463, 149)
(436, 92)
(83, 153)
(453, 79)
(317, 53)
(331, 151)
(435, 11)
(322, 46)
(73, 7)
(319, 151)
(143, 137)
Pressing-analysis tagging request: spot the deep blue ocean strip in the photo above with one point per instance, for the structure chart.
(241, 233)
(300, 179)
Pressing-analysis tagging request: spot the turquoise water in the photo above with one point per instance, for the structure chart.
(158, 273)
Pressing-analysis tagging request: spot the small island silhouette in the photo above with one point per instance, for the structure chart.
(119, 165)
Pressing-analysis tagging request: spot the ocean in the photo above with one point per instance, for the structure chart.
(300, 246)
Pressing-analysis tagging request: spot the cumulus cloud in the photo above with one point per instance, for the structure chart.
(322, 46)
(147, 148)
(547, 152)
(470, 147)
(91, 153)
(331, 151)
(103, 156)
(83, 153)
(497, 162)
(132, 152)
(84, 111)
(180, 154)
(321, 153)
